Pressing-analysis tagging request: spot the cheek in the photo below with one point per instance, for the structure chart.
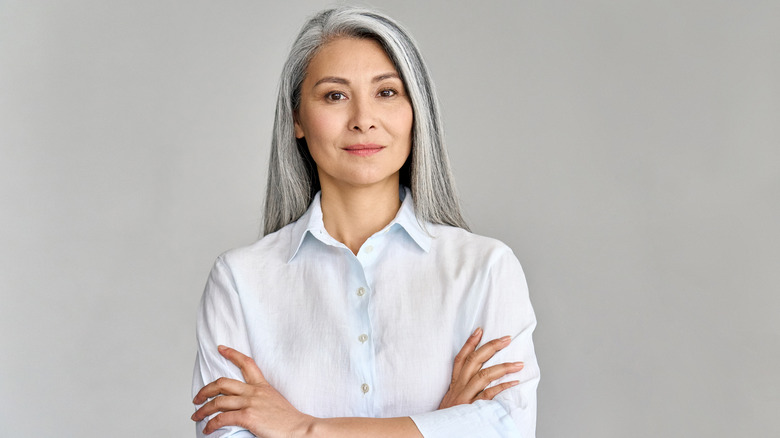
(320, 127)
(402, 121)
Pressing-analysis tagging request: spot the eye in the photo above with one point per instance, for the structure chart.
(335, 96)
(388, 92)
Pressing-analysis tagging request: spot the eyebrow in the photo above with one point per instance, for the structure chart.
(338, 80)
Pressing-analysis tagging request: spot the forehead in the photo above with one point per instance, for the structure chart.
(349, 58)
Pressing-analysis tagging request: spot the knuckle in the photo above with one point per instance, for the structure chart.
(246, 418)
(483, 374)
(494, 391)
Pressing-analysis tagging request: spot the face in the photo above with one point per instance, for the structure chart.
(355, 115)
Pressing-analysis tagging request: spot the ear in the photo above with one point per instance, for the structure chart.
(298, 127)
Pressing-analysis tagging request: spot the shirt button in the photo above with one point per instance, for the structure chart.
(369, 248)
(361, 291)
(363, 338)
(364, 387)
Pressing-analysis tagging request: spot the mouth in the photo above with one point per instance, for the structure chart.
(363, 150)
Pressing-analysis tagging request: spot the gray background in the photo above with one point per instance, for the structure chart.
(628, 151)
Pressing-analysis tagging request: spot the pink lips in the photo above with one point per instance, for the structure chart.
(363, 150)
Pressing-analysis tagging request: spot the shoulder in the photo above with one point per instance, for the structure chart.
(465, 249)
(448, 238)
(271, 249)
(486, 263)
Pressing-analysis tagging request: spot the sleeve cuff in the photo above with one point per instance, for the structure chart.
(483, 418)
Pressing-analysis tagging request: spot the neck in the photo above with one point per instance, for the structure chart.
(351, 215)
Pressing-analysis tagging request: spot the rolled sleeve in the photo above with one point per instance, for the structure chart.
(483, 418)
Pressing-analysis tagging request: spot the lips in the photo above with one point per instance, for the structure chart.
(363, 150)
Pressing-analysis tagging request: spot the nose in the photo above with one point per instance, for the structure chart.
(362, 117)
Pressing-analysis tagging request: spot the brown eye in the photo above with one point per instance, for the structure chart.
(388, 93)
(335, 96)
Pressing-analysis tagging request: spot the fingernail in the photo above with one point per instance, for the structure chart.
(518, 364)
(514, 383)
(221, 348)
(476, 332)
(506, 339)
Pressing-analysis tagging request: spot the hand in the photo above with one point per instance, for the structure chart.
(254, 405)
(469, 379)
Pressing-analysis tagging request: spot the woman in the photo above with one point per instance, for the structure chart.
(367, 283)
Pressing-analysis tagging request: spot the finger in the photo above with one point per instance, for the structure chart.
(486, 376)
(224, 403)
(476, 359)
(468, 347)
(246, 364)
(493, 391)
(230, 418)
(221, 386)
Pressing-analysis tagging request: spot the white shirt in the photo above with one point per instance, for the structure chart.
(372, 334)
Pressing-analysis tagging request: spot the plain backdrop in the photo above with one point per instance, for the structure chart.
(628, 151)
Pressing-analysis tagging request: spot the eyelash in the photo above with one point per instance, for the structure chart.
(382, 93)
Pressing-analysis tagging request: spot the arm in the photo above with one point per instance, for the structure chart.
(505, 309)
(255, 405)
(220, 320)
(258, 407)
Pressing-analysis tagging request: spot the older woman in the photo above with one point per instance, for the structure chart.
(362, 309)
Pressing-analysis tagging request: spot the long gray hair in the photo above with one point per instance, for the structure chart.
(292, 173)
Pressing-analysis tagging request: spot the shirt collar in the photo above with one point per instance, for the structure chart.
(407, 219)
(311, 223)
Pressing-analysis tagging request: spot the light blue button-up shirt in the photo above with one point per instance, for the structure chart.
(372, 334)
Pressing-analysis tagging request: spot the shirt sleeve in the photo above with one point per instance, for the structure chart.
(220, 321)
(506, 310)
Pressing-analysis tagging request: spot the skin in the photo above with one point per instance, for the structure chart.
(351, 95)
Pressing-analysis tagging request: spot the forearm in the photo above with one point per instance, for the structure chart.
(359, 427)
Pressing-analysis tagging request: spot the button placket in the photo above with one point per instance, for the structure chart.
(361, 339)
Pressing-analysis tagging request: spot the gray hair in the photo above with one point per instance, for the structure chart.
(292, 174)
